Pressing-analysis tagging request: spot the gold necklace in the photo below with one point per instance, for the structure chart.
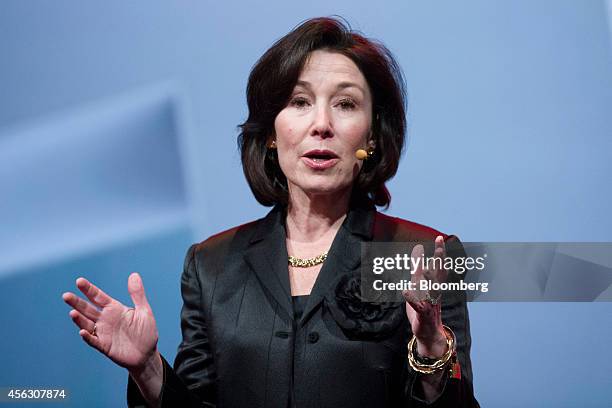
(307, 263)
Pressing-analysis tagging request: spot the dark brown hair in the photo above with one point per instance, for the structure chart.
(271, 83)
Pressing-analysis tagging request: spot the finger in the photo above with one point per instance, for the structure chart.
(83, 307)
(417, 259)
(430, 274)
(410, 312)
(137, 292)
(422, 272)
(81, 321)
(93, 341)
(93, 293)
(433, 277)
(440, 253)
(440, 246)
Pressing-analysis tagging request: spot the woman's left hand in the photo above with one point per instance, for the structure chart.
(424, 307)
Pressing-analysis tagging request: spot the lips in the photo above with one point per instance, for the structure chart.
(320, 159)
(319, 154)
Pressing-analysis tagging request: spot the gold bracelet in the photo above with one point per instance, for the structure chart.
(438, 364)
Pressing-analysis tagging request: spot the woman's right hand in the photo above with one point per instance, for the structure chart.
(126, 335)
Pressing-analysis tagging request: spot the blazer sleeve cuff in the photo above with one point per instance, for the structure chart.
(134, 396)
(173, 392)
(455, 393)
(417, 397)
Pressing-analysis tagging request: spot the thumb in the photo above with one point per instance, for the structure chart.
(136, 289)
(411, 311)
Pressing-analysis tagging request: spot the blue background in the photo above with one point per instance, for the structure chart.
(118, 150)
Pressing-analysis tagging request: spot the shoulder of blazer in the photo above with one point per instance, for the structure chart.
(388, 228)
(393, 229)
(211, 254)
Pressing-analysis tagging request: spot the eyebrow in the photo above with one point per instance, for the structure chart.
(340, 86)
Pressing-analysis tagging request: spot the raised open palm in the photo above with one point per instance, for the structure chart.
(425, 315)
(128, 336)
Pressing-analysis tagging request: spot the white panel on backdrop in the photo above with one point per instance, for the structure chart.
(92, 177)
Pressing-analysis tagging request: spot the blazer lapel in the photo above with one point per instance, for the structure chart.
(267, 257)
(344, 255)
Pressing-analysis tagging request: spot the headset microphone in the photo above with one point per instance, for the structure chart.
(361, 154)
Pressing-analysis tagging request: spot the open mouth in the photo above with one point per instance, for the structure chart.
(320, 155)
(320, 159)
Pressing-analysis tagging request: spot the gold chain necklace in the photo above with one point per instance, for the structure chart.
(307, 263)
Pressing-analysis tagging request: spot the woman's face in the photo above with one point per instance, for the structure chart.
(328, 118)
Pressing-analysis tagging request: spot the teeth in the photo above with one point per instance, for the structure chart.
(320, 158)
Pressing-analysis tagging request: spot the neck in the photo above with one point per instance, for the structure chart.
(311, 217)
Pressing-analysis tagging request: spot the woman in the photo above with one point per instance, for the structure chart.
(261, 328)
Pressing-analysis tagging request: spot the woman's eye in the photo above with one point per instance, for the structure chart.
(299, 102)
(346, 104)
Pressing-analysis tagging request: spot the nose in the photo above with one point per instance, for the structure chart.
(322, 125)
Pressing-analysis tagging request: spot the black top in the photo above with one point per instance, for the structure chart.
(299, 303)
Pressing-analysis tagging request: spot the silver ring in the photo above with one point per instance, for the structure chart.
(93, 332)
(433, 300)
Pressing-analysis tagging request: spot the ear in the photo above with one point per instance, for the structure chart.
(271, 142)
(371, 143)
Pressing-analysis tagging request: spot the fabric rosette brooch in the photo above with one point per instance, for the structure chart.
(359, 318)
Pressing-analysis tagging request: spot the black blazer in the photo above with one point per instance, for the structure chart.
(241, 344)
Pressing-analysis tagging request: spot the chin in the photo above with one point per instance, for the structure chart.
(321, 187)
